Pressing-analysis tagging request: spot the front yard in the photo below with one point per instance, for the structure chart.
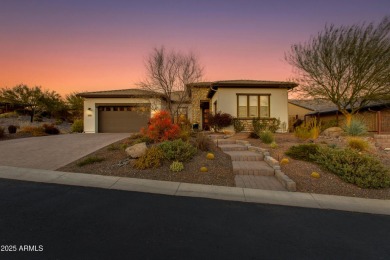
(115, 162)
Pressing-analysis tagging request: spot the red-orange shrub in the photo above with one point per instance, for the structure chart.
(161, 128)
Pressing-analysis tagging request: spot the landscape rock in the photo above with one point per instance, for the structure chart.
(137, 150)
(333, 132)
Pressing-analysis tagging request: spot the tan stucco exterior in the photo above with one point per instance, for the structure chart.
(295, 111)
(227, 101)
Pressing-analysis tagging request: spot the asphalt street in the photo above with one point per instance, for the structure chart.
(49, 221)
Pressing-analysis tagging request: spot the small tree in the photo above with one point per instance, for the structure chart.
(75, 104)
(30, 98)
(168, 73)
(348, 65)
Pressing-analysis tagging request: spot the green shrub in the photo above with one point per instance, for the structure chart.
(273, 145)
(356, 128)
(2, 131)
(176, 166)
(238, 125)
(357, 144)
(261, 125)
(151, 159)
(12, 129)
(303, 151)
(220, 120)
(78, 126)
(353, 167)
(50, 129)
(113, 147)
(202, 142)
(59, 121)
(90, 160)
(328, 124)
(178, 150)
(267, 137)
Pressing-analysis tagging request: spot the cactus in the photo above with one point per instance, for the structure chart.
(315, 175)
(210, 156)
(176, 166)
(203, 169)
(284, 161)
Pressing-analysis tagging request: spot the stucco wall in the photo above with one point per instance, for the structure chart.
(227, 101)
(91, 116)
(294, 110)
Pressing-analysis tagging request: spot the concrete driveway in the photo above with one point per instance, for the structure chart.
(53, 152)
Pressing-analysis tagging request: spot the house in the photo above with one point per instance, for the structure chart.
(130, 109)
(376, 114)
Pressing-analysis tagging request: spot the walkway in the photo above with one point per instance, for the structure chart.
(250, 168)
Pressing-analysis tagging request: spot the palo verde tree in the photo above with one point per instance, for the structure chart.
(168, 74)
(348, 65)
(30, 98)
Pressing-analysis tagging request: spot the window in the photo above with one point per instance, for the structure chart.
(182, 113)
(253, 105)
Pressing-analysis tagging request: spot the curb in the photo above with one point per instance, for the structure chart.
(285, 198)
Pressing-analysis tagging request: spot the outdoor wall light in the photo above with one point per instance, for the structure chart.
(90, 109)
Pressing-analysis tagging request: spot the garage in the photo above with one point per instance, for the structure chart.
(122, 118)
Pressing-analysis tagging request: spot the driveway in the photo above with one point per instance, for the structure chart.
(52, 152)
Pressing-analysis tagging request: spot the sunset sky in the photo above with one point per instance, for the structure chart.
(90, 45)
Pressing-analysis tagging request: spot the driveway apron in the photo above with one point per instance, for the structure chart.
(53, 152)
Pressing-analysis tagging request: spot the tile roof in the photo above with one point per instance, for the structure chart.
(132, 92)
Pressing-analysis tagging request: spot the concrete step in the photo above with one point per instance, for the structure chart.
(233, 147)
(258, 182)
(245, 156)
(224, 141)
(257, 168)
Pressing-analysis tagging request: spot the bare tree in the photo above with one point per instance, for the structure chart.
(168, 74)
(348, 65)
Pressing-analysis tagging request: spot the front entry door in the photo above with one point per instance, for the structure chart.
(205, 107)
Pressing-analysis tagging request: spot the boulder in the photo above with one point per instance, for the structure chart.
(137, 150)
(333, 132)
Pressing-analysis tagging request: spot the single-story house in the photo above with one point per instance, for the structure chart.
(376, 114)
(130, 109)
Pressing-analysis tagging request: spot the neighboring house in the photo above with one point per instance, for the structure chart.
(129, 110)
(375, 114)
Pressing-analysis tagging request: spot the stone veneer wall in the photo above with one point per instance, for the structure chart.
(198, 94)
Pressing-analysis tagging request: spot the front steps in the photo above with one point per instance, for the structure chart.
(249, 166)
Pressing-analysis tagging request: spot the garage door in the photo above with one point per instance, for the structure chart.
(122, 119)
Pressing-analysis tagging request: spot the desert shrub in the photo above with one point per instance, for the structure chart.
(353, 167)
(59, 121)
(309, 129)
(302, 151)
(38, 118)
(90, 160)
(261, 125)
(33, 130)
(238, 125)
(273, 145)
(267, 137)
(176, 166)
(50, 129)
(142, 139)
(185, 128)
(78, 126)
(356, 128)
(202, 142)
(151, 159)
(2, 131)
(113, 147)
(220, 120)
(357, 144)
(161, 127)
(178, 150)
(12, 129)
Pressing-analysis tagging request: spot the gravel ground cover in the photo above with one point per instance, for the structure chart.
(117, 163)
(328, 183)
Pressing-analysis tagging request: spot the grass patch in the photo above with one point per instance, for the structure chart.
(90, 160)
